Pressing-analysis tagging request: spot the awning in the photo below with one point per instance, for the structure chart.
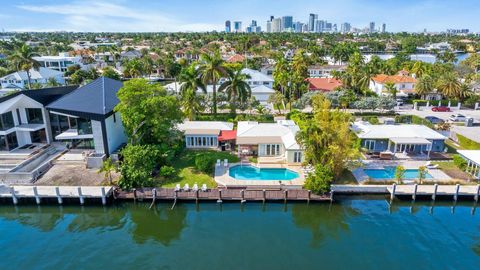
(418, 141)
(227, 135)
(72, 134)
(30, 127)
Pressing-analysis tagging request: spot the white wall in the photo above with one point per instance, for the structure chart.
(115, 132)
(98, 136)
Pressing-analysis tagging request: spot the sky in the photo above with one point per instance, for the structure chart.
(208, 15)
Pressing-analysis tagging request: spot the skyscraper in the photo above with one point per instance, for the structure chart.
(287, 23)
(371, 29)
(237, 26)
(311, 22)
(269, 27)
(277, 25)
(345, 27)
(228, 26)
(384, 28)
(319, 26)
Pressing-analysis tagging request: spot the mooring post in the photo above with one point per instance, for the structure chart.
(14, 196)
(309, 194)
(59, 198)
(434, 195)
(285, 196)
(80, 196)
(196, 196)
(331, 195)
(264, 195)
(35, 193)
(104, 197)
(242, 192)
(219, 196)
(134, 194)
(457, 189)
(394, 188)
(154, 197)
(414, 196)
(477, 194)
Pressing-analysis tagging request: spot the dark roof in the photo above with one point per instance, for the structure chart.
(95, 100)
(44, 95)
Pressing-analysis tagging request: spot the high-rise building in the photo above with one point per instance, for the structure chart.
(320, 26)
(371, 29)
(345, 27)
(228, 26)
(277, 25)
(287, 23)
(298, 27)
(237, 27)
(253, 27)
(311, 22)
(384, 28)
(269, 27)
(271, 18)
(328, 27)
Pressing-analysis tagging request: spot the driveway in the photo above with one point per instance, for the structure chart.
(423, 112)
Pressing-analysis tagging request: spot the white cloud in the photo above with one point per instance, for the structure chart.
(94, 16)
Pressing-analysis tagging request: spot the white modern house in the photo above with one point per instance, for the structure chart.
(257, 78)
(271, 142)
(208, 134)
(324, 71)
(404, 84)
(24, 119)
(19, 79)
(86, 119)
(473, 162)
(59, 62)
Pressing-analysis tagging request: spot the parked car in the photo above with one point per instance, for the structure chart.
(434, 120)
(457, 118)
(441, 109)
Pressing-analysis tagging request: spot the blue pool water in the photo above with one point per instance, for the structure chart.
(389, 173)
(245, 172)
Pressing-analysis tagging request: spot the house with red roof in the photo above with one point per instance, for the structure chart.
(237, 58)
(323, 84)
(404, 83)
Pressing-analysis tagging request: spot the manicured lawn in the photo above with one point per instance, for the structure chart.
(346, 178)
(452, 170)
(186, 172)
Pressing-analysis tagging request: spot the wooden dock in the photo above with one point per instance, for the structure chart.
(433, 191)
(56, 192)
(219, 195)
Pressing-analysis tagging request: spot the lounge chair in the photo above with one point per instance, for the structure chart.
(218, 162)
(204, 187)
(186, 187)
(225, 162)
(434, 166)
(177, 187)
(429, 163)
(195, 187)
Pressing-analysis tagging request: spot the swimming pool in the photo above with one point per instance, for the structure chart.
(389, 173)
(247, 172)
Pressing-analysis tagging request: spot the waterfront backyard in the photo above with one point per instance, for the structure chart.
(374, 235)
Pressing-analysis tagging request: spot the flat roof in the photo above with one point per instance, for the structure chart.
(472, 155)
(365, 130)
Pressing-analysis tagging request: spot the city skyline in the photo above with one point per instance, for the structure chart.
(191, 16)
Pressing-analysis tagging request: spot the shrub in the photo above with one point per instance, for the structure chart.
(205, 163)
(319, 181)
(371, 119)
(253, 159)
(167, 171)
(399, 174)
(459, 162)
(138, 164)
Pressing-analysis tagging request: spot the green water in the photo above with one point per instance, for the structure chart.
(352, 234)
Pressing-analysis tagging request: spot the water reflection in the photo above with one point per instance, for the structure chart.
(160, 224)
(322, 220)
(44, 219)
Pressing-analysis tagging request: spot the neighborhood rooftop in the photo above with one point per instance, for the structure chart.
(366, 130)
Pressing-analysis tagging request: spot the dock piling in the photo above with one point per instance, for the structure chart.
(104, 197)
(308, 196)
(35, 193)
(435, 189)
(457, 189)
(14, 196)
(394, 188)
(285, 196)
(477, 194)
(331, 195)
(242, 192)
(219, 196)
(80, 196)
(134, 194)
(154, 197)
(414, 196)
(59, 198)
(264, 195)
(196, 196)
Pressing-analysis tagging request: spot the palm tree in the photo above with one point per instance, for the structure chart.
(236, 87)
(449, 85)
(424, 85)
(391, 89)
(191, 81)
(419, 69)
(23, 59)
(108, 167)
(212, 69)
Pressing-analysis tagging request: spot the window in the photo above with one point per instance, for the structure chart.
(84, 126)
(34, 116)
(271, 149)
(12, 141)
(370, 144)
(297, 157)
(114, 118)
(6, 121)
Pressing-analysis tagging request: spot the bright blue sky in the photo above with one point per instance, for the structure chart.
(204, 15)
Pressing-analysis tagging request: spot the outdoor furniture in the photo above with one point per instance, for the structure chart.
(225, 162)
(195, 187)
(204, 187)
(218, 162)
(177, 187)
(186, 187)
(386, 155)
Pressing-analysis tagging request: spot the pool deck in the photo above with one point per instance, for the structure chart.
(225, 180)
(437, 174)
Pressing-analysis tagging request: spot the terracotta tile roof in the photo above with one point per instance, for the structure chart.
(236, 58)
(323, 84)
(382, 78)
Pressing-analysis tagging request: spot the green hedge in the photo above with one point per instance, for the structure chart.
(205, 160)
(240, 117)
(460, 162)
(371, 119)
(413, 119)
(466, 143)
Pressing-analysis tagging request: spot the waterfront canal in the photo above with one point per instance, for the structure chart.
(350, 234)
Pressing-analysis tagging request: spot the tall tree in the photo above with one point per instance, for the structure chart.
(391, 89)
(22, 57)
(191, 82)
(236, 88)
(425, 85)
(450, 86)
(212, 69)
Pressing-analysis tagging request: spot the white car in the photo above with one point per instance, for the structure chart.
(457, 118)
